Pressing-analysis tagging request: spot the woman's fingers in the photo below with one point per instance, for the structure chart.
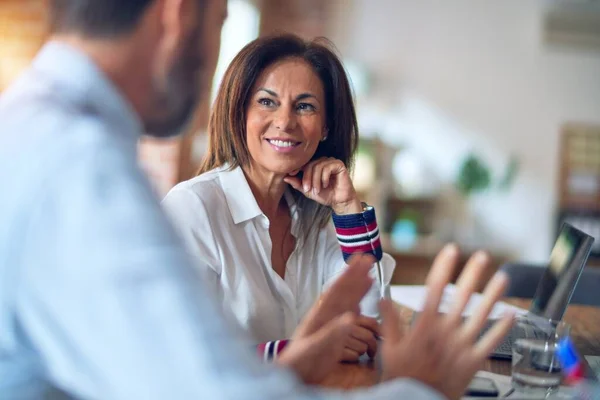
(366, 337)
(354, 344)
(326, 176)
(369, 323)
(317, 176)
(294, 182)
(307, 177)
(350, 355)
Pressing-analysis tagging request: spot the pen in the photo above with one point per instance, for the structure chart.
(572, 367)
(573, 371)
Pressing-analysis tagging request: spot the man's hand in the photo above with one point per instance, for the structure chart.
(319, 341)
(440, 350)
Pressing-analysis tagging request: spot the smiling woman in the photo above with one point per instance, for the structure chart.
(285, 119)
(282, 138)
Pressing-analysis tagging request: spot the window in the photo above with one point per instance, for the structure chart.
(240, 28)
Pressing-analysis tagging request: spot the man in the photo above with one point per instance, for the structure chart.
(97, 298)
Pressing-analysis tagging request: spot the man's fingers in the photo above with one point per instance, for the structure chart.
(352, 285)
(493, 337)
(333, 334)
(338, 328)
(391, 327)
(355, 281)
(493, 292)
(437, 279)
(342, 296)
(466, 285)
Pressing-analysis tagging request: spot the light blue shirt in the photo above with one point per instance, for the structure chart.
(97, 297)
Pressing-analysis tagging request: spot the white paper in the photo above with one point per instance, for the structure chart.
(413, 297)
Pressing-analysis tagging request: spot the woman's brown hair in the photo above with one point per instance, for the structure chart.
(227, 123)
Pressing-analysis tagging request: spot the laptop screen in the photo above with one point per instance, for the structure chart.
(567, 260)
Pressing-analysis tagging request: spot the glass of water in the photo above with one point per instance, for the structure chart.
(535, 368)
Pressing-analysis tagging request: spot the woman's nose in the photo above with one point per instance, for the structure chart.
(285, 120)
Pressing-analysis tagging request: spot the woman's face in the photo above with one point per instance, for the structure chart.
(285, 119)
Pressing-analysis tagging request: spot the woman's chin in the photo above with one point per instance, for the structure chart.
(286, 170)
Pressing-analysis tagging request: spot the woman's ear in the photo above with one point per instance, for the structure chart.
(325, 133)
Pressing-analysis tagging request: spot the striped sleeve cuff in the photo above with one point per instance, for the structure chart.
(270, 350)
(358, 233)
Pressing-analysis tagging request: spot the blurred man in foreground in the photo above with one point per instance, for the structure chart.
(97, 297)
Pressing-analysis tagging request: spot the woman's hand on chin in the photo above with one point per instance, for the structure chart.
(327, 181)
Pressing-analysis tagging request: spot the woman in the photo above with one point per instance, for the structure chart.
(282, 137)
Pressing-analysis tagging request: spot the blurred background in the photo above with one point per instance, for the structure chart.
(480, 120)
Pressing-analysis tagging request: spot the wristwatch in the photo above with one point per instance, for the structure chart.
(365, 206)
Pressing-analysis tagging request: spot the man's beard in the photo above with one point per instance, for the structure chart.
(177, 99)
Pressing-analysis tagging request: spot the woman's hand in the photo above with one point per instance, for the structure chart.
(361, 339)
(319, 342)
(327, 181)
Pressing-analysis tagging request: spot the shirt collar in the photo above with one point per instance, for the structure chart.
(83, 84)
(241, 201)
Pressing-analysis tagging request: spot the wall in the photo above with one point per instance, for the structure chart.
(22, 31)
(466, 75)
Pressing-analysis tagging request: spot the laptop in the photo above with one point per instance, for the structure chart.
(557, 285)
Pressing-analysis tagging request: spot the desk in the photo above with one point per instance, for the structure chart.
(585, 331)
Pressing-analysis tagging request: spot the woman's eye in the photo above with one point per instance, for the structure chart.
(306, 107)
(266, 102)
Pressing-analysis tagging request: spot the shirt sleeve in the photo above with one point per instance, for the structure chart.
(116, 311)
(349, 234)
(357, 233)
(189, 216)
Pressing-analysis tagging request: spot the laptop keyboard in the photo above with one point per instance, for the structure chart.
(504, 349)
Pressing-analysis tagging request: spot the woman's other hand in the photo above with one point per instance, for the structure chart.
(361, 339)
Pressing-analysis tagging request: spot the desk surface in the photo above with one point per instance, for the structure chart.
(585, 331)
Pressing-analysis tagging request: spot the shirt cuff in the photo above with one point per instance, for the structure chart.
(358, 233)
(270, 350)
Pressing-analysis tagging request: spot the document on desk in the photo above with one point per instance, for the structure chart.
(414, 297)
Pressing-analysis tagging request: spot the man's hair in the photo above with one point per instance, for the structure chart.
(96, 18)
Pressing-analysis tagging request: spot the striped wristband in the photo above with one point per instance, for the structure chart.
(358, 233)
(270, 350)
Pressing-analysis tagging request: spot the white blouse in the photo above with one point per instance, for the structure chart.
(228, 235)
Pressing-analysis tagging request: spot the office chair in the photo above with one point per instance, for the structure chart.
(524, 279)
